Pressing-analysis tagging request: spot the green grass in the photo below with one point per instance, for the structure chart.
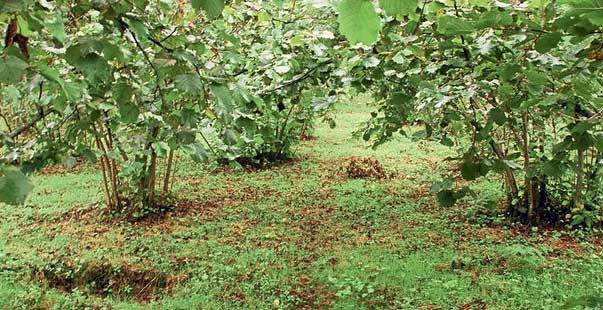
(297, 236)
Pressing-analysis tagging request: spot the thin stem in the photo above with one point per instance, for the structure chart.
(105, 169)
(579, 179)
(280, 134)
(526, 166)
(6, 121)
(420, 17)
(296, 79)
(168, 170)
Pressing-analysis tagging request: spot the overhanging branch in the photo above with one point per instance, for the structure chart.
(30, 124)
(296, 79)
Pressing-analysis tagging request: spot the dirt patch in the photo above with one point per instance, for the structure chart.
(310, 296)
(261, 163)
(421, 191)
(365, 168)
(62, 169)
(563, 245)
(474, 305)
(90, 224)
(94, 214)
(231, 191)
(204, 210)
(597, 241)
(103, 279)
(315, 229)
(495, 234)
(431, 307)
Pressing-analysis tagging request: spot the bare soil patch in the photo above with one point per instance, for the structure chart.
(104, 279)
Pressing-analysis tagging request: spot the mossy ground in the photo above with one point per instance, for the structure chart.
(302, 235)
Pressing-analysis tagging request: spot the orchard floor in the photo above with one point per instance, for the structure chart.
(302, 235)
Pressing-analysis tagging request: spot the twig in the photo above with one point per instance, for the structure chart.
(296, 79)
(31, 123)
(420, 17)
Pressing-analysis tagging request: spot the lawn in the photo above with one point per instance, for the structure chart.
(300, 235)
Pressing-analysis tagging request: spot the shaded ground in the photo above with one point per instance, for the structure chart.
(312, 234)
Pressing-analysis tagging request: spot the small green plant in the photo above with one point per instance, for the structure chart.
(582, 216)
(521, 257)
(351, 287)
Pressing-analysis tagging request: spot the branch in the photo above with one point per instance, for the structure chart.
(30, 124)
(465, 50)
(6, 121)
(169, 35)
(148, 59)
(420, 17)
(296, 79)
(158, 43)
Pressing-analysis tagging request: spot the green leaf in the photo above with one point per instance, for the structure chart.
(71, 90)
(12, 69)
(23, 26)
(196, 151)
(493, 18)
(498, 116)
(57, 29)
(358, 21)
(581, 127)
(584, 302)
(513, 165)
(186, 136)
(11, 6)
(450, 25)
(112, 51)
(49, 73)
(442, 185)
(230, 137)
(161, 148)
(446, 198)
(138, 27)
(470, 170)
(584, 87)
(599, 142)
(96, 69)
(553, 168)
(189, 117)
(14, 186)
(189, 83)
(509, 71)
(223, 96)
(537, 77)
(547, 42)
(121, 92)
(583, 141)
(577, 220)
(129, 112)
(213, 8)
(595, 17)
(537, 80)
(399, 7)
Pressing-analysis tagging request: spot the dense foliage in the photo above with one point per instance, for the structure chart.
(128, 84)
(515, 86)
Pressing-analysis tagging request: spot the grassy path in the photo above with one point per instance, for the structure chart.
(298, 236)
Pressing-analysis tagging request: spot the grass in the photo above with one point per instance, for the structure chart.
(297, 236)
